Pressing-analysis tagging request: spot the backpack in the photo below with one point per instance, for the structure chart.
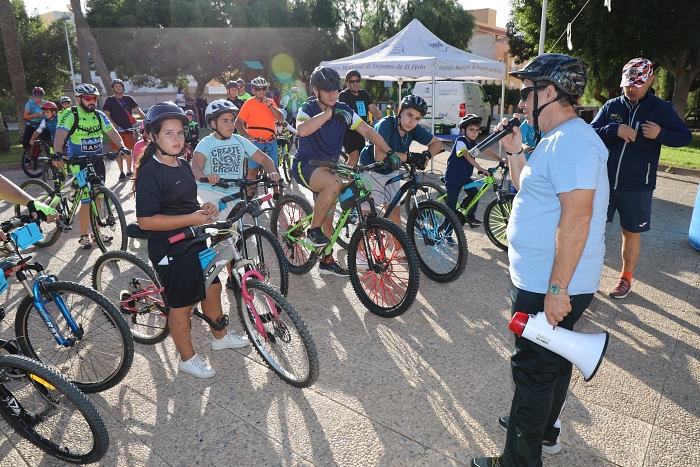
(73, 128)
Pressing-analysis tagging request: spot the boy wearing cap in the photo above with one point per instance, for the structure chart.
(633, 127)
(360, 102)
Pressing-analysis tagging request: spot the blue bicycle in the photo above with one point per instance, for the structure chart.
(69, 327)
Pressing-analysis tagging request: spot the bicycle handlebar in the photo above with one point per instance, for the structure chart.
(198, 233)
(348, 168)
(59, 156)
(12, 224)
(244, 182)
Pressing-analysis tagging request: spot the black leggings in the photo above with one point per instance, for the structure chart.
(29, 131)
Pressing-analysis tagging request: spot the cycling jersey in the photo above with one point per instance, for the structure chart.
(34, 108)
(258, 115)
(87, 137)
(326, 142)
(388, 129)
(192, 133)
(50, 124)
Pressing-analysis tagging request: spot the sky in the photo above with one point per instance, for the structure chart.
(501, 6)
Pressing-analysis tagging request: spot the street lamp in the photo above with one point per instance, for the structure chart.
(65, 18)
(353, 30)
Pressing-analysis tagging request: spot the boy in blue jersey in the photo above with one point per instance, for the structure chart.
(460, 166)
(399, 132)
(321, 125)
(48, 122)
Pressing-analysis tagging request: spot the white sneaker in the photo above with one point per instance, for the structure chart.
(85, 242)
(195, 366)
(229, 341)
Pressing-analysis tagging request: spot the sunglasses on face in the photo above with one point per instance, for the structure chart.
(524, 92)
(89, 98)
(354, 81)
(260, 89)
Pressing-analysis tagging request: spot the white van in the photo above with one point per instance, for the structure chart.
(455, 100)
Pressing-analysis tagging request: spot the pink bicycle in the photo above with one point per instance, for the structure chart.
(273, 325)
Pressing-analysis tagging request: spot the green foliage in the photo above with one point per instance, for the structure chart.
(7, 108)
(494, 92)
(447, 19)
(44, 53)
(686, 157)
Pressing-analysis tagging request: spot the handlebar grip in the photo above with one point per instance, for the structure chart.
(204, 180)
(187, 233)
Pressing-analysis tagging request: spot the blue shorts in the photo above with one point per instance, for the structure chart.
(268, 148)
(301, 171)
(634, 208)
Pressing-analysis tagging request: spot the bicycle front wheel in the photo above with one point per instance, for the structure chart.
(50, 412)
(101, 351)
(439, 240)
(496, 217)
(287, 167)
(287, 216)
(389, 288)
(107, 220)
(286, 347)
(119, 276)
(40, 191)
(426, 191)
(265, 251)
(30, 165)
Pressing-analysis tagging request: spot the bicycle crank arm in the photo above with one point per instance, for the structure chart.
(219, 325)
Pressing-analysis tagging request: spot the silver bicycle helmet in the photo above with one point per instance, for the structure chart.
(86, 90)
(259, 82)
(218, 107)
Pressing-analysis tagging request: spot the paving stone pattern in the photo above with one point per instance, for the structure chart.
(423, 389)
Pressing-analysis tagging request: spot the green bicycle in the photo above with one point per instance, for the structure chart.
(106, 213)
(497, 212)
(382, 260)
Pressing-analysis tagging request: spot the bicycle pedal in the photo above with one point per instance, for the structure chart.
(2, 313)
(221, 322)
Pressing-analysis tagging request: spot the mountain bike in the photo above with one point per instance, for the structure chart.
(65, 325)
(285, 140)
(273, 325)
(385, 280)
(497, 212)
(47, 410)
(257, 243)
(31, 163)
(106, 213)
(433, 228)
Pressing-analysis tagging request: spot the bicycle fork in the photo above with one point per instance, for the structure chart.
(248, 299)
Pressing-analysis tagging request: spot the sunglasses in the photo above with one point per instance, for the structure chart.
(524, 92)
(261, 89)
(89, 98)
(354, 81)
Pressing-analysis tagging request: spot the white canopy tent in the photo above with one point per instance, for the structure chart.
(416, 54)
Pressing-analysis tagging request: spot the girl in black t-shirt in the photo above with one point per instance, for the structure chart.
(166, 204)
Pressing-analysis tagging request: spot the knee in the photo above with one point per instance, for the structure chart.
(336, 185)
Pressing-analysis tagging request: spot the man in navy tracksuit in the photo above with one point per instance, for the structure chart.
(633, 127)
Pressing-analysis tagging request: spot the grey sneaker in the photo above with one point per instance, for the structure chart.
(85, 242)
(550, 447)
(195, 366)
(229, 341)
(333, 268)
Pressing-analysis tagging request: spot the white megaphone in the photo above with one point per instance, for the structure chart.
(583, 350)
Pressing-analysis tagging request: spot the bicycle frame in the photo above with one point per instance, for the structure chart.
(483, 185)
(410, 185)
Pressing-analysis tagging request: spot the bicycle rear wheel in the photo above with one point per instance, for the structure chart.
(96, 360)
(119, 275)
(107, 220)
(390, 288)
(50, 412)
(426, 191)
(291, 209)
(496, 217)
(287, 347)
(30, 165)
(265, 251)
(40, 191)
(439, 240)
(287, 167)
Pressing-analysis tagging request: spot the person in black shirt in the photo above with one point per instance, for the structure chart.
(166, 204)
(119, 108)
(201, 105)
(232, 94)
(359, 101)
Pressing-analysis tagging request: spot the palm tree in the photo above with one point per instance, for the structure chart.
(86, 42)
(14, 64)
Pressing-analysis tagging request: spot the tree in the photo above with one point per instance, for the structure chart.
(447, 19)
(664, 31)
(86, 41)
(13, 55)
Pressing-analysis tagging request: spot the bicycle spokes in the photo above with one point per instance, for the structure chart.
(386, 280)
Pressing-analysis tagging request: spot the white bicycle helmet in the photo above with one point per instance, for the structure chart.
(259, 82)
(86, 89)
(218, 107)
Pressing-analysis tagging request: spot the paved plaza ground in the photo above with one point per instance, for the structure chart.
(423, 389)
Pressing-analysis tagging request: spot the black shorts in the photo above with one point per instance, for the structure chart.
(183, 280)
(301, 171)
(634, 208)
(353, 141)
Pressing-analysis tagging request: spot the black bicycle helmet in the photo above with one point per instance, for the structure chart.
(469, 118)
(86, 90)
(414, 102)
(117, 81)
(325, 79)
(164, 111)
(218, 107)
(352, 73)
(231, 84)
(567, 74)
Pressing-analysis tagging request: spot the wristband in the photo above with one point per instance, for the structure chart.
(515, 153)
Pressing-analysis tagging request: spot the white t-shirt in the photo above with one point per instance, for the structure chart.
(180, 100)
(225, 159)
(570, 157)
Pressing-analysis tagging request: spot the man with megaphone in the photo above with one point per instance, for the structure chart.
(556, 237)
